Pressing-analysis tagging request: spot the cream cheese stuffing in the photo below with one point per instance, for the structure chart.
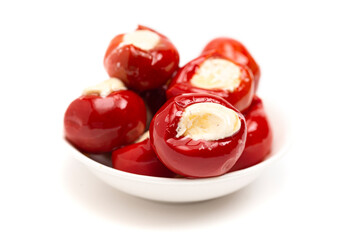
(106, 87)
(217, 73)
(143, 39)
(208, 121)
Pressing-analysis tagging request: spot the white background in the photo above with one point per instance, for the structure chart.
(309, 55)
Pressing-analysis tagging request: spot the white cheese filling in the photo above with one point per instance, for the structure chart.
(208, 121)
(105, 88)
(217, 73)
(143, 39)
(143, 137)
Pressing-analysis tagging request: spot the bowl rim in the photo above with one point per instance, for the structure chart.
(161, 180)
(190, 181)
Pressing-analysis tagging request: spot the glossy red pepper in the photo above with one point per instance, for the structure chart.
(189, 157)
(141, 69)
(240, 97)
(100, 124)
(139, 158)
(259, 137)
(236, 51)
(154, 98)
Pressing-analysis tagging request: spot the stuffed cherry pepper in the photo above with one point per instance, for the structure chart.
(259, 136)
(143, 59)
(154, 99)
(140, 158)
(235, 51)
(217, 75)
(105, 117)
(198, 135)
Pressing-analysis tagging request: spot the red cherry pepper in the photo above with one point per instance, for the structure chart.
(189, 157)
(139, 158)
(141, 69)
(236, 51)
(259, 137)
(100, 124)
(154, 98)
(240, 97)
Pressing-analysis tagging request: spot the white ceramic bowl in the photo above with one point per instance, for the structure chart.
(191, 190)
